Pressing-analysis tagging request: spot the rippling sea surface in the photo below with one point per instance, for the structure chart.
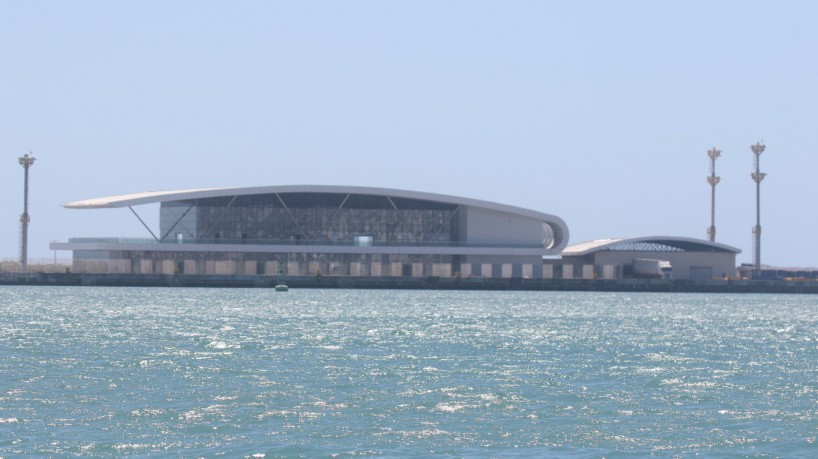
(368, 373)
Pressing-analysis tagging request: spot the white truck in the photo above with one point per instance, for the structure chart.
(652, 268)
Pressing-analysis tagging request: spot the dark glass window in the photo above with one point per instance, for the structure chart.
(326, 217)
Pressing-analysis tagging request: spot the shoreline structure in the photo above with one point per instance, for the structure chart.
(413, 283)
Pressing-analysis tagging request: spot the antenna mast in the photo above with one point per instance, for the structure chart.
(713, 180)
(26, 161)
(757, 177)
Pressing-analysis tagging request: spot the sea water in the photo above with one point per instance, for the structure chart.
(373, 373)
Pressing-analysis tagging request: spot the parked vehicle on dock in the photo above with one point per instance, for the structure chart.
(652, 268)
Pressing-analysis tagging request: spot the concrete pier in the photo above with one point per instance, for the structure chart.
(430, 283)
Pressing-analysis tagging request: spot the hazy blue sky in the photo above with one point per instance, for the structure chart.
(600, 112)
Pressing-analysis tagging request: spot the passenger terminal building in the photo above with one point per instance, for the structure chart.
(360, 231)
(328, 230)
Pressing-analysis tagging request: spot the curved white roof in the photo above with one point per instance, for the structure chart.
(679, 243)
(149, 197)
(134, 199)
(126, 200)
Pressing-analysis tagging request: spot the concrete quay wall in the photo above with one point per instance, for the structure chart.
(431, 283)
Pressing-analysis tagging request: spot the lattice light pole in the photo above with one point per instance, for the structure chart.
(757, 177)
(713, 180)
(26, 161)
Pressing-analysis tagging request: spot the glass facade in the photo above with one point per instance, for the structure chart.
(323, 218)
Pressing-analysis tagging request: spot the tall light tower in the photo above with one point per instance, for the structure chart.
(713, 180)
(26, 161)
(757, 176)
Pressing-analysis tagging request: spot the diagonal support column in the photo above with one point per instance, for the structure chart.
(143, 223)
(209, 230)
(443, 225)
(403, 220)
(332, 217)
(300, 230)
(177, 222)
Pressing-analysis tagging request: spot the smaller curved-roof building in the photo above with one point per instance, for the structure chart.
(336, 230)
(690, 258)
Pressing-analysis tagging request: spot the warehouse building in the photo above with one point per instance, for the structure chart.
(692, 259)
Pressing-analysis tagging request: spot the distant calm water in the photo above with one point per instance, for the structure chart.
(355, 373)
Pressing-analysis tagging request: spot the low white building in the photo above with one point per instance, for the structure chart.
(693, 259)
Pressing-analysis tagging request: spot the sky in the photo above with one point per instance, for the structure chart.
(599, 112)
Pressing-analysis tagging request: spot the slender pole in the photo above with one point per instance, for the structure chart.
(25, 161)
(757, 177)
(713, 180)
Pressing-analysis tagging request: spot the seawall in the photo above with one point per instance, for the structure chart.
(430, 283)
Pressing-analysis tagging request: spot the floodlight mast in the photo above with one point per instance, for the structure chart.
(757, 177)
(26, 161)
(713, 180)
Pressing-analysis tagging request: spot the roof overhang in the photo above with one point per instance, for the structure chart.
(151, 197)
(559, 227)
